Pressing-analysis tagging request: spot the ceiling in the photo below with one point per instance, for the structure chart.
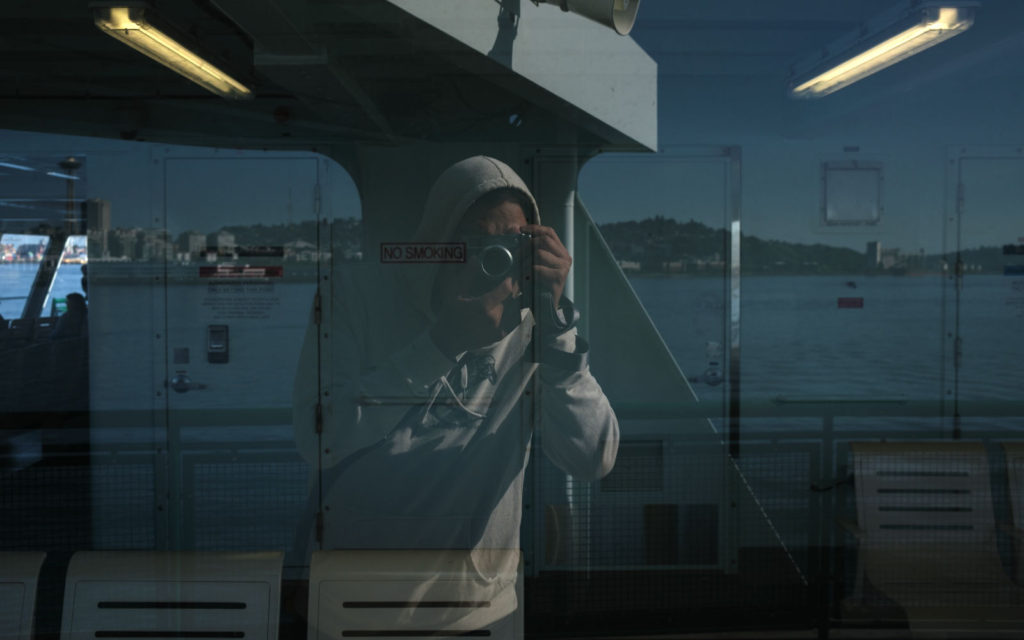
(388, 78)
(59, 72)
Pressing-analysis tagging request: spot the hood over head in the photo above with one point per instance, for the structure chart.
(452, 195)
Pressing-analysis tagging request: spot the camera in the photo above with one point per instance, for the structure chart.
(499, 257)
(511, 255)
(504, 256)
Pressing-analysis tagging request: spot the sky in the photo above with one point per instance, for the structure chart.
(962, 98)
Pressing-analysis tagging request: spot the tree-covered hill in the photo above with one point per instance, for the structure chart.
(663, 245)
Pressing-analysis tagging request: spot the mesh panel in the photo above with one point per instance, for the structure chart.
(46, 507)
(779, 478)
(124, 516)
(659, 507)
(247, 505)
(674, 528)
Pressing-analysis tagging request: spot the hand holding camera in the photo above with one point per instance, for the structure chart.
(498, 280)
(535, 257)
(551, 261)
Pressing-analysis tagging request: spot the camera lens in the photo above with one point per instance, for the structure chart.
(496, 261)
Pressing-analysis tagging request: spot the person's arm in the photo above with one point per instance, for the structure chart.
(579, 430)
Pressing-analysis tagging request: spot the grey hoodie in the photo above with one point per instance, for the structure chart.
(422, 452)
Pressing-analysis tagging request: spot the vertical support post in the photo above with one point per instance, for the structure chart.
(554, 186)
(734, 185)
(826, 507)
(950, 325)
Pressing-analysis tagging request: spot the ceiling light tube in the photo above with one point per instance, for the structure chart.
(925, 26)
(129, 24)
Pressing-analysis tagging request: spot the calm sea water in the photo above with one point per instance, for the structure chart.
(16, 281)
(797, 341)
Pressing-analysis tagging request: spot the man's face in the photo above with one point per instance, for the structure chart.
(505, 218)
(502, 219)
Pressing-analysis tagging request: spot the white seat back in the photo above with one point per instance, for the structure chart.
(123, 594)
(1014, 452)
(19, 577)
(406, 594)
(923, 494)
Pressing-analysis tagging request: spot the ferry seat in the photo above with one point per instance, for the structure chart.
(414, 593)
(19, 577)
(927, 545)
(20, 332)
(156, 594)
(1014, 456)
(43, 327)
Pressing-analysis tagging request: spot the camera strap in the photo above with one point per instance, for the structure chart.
(556, 321)
(548, 355)
(552, 323)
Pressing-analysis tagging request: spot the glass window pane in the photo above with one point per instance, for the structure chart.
(22, 255)
(71, 275)
(577, 332)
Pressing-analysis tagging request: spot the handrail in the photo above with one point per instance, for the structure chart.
(256, 417)
(777, 407)
(790, 407)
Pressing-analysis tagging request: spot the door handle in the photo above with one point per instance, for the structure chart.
(182, 383)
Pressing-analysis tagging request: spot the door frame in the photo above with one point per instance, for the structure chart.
(953, 278)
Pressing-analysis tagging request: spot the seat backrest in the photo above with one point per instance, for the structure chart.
(172, 594)
(19, 577)
(44, 326)
(21, 330)
(923, 493)
(415, 594)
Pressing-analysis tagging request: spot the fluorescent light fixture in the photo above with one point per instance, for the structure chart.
(19, 167)
(130, 25)
(883, 42)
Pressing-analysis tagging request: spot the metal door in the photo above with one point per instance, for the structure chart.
(986, 275)
(242, 261)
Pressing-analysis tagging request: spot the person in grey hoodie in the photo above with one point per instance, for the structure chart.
(435, 382)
